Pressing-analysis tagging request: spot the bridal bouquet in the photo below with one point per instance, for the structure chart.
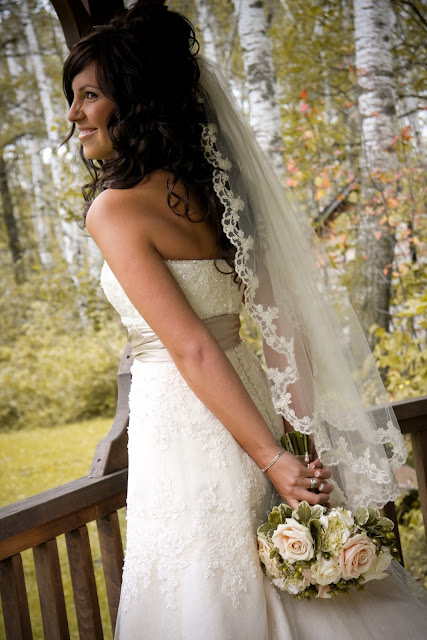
(315, 552)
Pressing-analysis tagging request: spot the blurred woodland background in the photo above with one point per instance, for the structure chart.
(338, 102)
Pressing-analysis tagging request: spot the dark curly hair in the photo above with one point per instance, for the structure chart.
(146, 64)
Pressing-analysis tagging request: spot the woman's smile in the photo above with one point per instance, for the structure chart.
(85, 133)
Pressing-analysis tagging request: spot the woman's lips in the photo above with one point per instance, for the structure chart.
(84, 133)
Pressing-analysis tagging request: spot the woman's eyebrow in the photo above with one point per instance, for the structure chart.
(88, 86)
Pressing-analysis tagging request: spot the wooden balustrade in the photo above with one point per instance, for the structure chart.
(36, 522)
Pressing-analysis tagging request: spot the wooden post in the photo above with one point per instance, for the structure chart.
(14, 599)
(419, 450)
(78, 16)
(111, 452)
(110, 541)
(51, 592)
(84, 585)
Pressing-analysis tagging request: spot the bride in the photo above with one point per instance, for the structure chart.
(194, 226)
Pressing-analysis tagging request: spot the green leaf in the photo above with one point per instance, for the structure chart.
(316, 533)
(361, 516)
(264, 529)
(285, 510)
(304, 512)
(275, 517)
(316, 511)
(386, 524)
(374, 516)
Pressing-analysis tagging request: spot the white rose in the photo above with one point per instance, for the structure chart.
(294, 541)
(279, 583)
(325, 571)
(294, 587)
(378, 566)
(271, 564)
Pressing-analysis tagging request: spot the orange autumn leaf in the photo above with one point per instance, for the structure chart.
(320, 193)
(291, 166)
(303, 94)
(291, 182)
(392, 203)
(406, 133)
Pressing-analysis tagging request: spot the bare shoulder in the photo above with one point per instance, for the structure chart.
(113, 205)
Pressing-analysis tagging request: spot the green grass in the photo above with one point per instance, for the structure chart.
(32, 461)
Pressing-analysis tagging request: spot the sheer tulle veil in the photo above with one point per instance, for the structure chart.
(322, 375)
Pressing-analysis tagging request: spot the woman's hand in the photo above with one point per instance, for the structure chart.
(293, 480)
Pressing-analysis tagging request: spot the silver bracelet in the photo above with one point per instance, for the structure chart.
(276, 457)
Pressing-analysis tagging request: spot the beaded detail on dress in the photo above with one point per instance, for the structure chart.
(209, 291)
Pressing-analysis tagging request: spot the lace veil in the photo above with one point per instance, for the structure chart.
(322, 375)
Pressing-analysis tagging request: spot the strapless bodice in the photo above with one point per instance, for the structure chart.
(210, 292)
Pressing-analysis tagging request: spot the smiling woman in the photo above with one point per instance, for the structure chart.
(90, 111)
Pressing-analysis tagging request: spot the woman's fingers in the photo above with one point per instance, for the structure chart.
(315, 483)
(313, 498)
(319, 471)
(322, 473)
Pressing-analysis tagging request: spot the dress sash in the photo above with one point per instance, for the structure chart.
(146, 346)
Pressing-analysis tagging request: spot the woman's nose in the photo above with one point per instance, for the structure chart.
(74, 112)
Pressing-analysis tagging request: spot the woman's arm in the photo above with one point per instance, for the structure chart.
(127, 237)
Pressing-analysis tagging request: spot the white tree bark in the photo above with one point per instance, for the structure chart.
(69, 230)
(261, 82)
(377, 105)
(41, 222)
(208, 28)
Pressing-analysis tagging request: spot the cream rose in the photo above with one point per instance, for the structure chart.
(325, 571)
(294, 541)
(357, 556)
(378, 566)
(271, 564)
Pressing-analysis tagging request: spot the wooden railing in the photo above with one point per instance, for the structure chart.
(36, 523)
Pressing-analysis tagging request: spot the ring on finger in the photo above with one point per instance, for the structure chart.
(313, 483)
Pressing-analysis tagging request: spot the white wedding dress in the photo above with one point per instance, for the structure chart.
(195, 500)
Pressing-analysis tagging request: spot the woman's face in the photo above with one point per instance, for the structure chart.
(90, 111)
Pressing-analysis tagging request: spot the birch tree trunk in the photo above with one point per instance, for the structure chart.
(11, 223)
(377, 106)
(208, 29)
(38, 205)
(264, 107)
(69, 230)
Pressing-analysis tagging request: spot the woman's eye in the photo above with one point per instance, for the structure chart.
(90, 95)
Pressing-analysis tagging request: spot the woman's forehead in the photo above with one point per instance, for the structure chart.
(86, 77)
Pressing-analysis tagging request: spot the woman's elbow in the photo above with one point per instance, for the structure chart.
(193, 353)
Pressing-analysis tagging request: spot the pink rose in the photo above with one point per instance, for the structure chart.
(323, 591)
(357, 555)
(294, 541)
